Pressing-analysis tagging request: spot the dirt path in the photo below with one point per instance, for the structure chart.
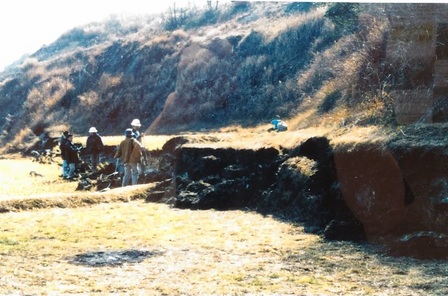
(140, 248)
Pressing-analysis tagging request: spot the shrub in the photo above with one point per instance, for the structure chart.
(21, 138)
(176, 17)
(203, 18)
(235, 8)
(108, 82)
(344, 16)
(299, 7)
(329, 102)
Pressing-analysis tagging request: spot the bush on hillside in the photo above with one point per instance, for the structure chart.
(344, 16)
(176, 17)
(330, 101)
(203, 18)
(299, 7)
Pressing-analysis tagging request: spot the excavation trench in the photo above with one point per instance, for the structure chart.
(394, 198)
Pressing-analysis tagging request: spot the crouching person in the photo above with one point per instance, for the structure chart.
(129, 153)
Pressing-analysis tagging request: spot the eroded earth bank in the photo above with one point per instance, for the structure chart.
(394, 197)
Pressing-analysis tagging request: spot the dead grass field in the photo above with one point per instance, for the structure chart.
(139, 248)
(114, 243)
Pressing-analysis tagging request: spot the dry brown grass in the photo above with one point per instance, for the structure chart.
(182, 252)
(16, 181)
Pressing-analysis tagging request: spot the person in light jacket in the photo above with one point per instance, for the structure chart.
(278, 125)
(129, 152)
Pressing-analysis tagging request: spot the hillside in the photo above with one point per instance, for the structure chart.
(362, 87)
(203, 69)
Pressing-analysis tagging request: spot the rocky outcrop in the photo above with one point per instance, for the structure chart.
(223, 178)
(299, 185)
(307, 191)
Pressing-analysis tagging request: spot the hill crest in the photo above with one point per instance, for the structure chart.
(237, 65)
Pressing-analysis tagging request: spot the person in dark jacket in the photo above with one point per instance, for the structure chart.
(72, 156)
(94, 147)
(129, 153)
(62, 141)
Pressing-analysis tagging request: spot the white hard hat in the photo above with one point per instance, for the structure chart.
(93, 130)
(136, 122)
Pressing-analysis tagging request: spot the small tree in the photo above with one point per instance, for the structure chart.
(176, 18)
(210, 5)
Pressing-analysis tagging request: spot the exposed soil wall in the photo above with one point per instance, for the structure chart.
(394, 198)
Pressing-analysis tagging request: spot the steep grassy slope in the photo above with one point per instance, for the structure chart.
(235, 65)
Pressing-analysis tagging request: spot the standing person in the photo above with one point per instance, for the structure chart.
(94, 146)
(135, 124)
(129, 154)
(71, 154)
(62, 147)
(43, 138)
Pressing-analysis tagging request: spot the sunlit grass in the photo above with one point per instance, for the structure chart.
(192, 253)
(16, 180)
(183, 238)
(149, 141)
